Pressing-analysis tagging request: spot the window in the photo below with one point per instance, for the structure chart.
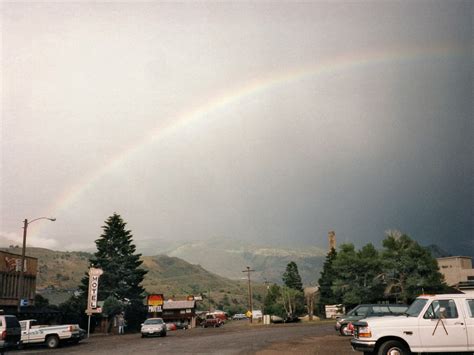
(361, 311)
(470, 307)
(416, 307)
(434, 310)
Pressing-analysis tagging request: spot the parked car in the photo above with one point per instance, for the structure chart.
(153, 326)
(276, 319)
(181, 325)
(366, 311)
(212, 321)
(239, 316)
(291, 318)
(10, 332)
(170, 326)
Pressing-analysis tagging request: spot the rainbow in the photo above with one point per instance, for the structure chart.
(255, 87)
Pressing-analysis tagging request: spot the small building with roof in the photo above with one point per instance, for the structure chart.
(457, 271)
(183, 312)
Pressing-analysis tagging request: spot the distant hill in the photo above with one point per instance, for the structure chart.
(60, 273)
(229, 258)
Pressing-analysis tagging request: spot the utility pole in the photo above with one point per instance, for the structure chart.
(248, 271)
(209, 299)
(20, 286)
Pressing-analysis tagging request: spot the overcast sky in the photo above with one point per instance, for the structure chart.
(268, 122)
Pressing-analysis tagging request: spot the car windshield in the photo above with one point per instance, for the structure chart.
(154, 321)
(416, 307)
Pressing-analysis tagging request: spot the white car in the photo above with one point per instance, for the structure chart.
(153, 326)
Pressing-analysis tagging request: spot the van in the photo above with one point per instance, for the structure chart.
(10, 332)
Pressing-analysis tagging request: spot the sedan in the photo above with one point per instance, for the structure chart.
(153, 326)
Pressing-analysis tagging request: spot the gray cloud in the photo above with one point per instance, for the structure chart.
(360, 148)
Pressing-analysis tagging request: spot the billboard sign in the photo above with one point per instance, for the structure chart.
(155, 303)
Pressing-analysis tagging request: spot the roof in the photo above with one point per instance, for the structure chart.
(454, 257)
(178, 304)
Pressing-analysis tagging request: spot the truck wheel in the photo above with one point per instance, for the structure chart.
(393, 347)
(52, 341)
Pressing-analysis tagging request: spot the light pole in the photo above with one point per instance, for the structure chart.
(23, 251)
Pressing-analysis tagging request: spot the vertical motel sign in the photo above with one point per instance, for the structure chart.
(94, 275)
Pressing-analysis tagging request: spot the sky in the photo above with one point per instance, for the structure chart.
(265, 122)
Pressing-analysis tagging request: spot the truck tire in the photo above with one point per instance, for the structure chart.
(52, 341)
(393, 347)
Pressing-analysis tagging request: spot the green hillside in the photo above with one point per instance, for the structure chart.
(59, 274)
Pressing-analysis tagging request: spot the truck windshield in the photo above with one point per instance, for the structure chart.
(416, 307)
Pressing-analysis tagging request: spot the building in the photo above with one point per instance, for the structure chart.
(180, 311)
(10, 265)
(457, 271)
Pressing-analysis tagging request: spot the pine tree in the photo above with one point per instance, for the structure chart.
(116, 256)
(292, 278)
(326, 294)
(409, 269)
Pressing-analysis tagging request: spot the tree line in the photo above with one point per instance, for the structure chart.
(398, 273)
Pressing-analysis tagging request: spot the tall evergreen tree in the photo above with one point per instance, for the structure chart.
(292, 278)
(358, 275)
(326, 294)
(116, 256)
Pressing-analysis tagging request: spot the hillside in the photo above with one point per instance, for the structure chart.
(229, 258)
(59, 274)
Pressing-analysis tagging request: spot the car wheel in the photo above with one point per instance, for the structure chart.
(343, 329)
(393, 347)
(52, 341)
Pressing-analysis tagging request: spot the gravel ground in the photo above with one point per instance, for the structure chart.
(237, 337)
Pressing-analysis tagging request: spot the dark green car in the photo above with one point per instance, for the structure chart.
(366, 311)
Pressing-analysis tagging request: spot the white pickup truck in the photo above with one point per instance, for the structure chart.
(433, 323)
(51, 335)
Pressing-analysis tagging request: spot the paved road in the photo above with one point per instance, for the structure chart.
(233, 338)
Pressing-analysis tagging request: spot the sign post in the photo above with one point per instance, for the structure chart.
(94, 275)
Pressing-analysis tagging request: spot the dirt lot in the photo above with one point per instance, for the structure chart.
(237, 337)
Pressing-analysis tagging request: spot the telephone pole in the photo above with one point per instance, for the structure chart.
(248, 271)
